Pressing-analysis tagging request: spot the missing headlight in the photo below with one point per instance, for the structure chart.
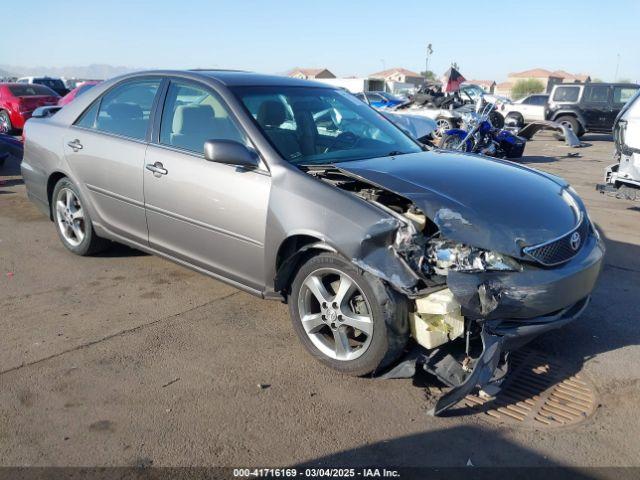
(445, 255)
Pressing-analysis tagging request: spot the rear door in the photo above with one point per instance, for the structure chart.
(105, 149)
(597, 107)
(208, 214)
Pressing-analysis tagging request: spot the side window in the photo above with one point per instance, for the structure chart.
(192, 115)
(539, 100)
(566, 94)
(125, 110)
(596, 94)
(527, 101)
(622, 95)
(88, 118)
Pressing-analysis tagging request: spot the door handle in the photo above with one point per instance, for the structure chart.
(75, 145)
(157, 169)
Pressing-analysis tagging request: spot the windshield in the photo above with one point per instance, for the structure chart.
(309, 125)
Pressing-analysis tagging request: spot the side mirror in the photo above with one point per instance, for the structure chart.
(231, 153)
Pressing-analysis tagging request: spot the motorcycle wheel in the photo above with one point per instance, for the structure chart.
(454, 142)
(496, 119)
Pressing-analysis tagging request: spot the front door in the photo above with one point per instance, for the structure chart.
(106, 150)
(208, 214)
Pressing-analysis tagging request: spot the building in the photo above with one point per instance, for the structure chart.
(399, 75)
(310, 73)
(548, 78)
(487, 85)
(503, 89)
(572, 77)
(356, 84)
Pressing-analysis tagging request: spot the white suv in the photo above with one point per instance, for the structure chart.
(526, 110)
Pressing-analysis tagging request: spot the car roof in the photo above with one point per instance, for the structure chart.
(236, 78)
(600, 84)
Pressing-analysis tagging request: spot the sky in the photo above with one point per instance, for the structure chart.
(487, 39)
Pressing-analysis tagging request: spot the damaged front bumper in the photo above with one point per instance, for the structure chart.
(498, 338)
(511, 309)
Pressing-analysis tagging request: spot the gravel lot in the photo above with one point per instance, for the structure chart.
(128, 359)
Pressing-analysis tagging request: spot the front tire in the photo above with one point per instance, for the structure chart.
(442, 125)
(572, 123)
(73, 222)
(346, 318)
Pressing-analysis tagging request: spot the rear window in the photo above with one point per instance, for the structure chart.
(566, 94)
(53, 83)
(31, 90)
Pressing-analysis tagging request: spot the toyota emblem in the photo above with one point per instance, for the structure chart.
(575, 241)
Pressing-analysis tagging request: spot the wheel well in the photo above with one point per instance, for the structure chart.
(567, 114)
(51, 184)
(293, 252)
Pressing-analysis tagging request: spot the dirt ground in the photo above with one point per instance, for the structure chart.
(128, 359)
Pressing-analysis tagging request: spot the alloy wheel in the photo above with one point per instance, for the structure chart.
(442, 125)
(4, 123)
(70, 217)
(335, 314)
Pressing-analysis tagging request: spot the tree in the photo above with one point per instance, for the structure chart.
(525, 87)
(429, 75)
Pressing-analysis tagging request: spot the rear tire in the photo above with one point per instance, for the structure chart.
(572, 123)
(328, 332)
(5, 123)
(73, 222)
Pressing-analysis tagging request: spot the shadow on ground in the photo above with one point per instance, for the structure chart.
(459, 452)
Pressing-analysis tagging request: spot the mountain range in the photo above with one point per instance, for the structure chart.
(94, 71)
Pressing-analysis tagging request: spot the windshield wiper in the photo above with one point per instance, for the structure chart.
(394, 153)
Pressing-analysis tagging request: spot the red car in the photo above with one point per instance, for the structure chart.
(19, 100)
(76, 92)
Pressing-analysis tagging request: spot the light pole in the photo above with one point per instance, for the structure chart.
(615, 78)
(429, 52)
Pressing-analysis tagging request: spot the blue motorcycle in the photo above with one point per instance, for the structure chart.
(478, 135)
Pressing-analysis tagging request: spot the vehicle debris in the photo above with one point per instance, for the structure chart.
(563, 132)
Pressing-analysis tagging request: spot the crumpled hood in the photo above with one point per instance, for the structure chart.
(487, 203)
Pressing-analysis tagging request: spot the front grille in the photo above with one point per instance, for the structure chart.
(561, 249)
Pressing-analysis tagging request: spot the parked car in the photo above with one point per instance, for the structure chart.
(368, 237)
(380, 99)
(526, 110)
(622, 179)
(588, 107)
(18, 101)
(55, 84)
(10, 147)
(77, 92)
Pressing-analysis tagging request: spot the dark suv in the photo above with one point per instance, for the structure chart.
(588, 107)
